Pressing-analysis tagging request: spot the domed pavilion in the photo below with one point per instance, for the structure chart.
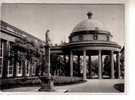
(88, 39)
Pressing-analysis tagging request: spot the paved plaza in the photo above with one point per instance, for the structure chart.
(91, 86)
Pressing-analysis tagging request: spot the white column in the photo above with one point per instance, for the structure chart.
(89, 65)
(99, 65)
(78, 65)
(112, 65)
(71, 64)
(84, 65)
(118, 60)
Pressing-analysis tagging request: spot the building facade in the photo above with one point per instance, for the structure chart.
(20, 52)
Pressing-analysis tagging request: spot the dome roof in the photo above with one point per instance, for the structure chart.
(88, 24)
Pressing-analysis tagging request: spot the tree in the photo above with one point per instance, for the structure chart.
(94, 67)
(107, 66)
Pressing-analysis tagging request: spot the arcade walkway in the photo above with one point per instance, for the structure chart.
(91, 86)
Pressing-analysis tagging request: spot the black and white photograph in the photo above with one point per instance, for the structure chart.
(62, 48)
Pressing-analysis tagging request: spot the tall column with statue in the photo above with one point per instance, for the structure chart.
(46, 78)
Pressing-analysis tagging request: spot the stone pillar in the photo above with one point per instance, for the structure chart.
(112, 65)
(84, 65)
(78, 65)
(71, 63)
(99, 64)
(89, 67)
(68, 67)
(118, 64)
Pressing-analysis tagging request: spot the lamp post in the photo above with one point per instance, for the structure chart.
(46, 78)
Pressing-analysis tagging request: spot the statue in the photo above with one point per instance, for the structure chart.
(46, 78)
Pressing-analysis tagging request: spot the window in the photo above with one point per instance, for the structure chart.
(27, 66)
(10, 61)
(10, 67)
(1, 57)
(19, 64)
(19, 69)
(33, 68)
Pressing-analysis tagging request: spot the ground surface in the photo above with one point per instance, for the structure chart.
(91, 86)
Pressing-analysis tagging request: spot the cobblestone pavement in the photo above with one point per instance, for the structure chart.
(91, 86)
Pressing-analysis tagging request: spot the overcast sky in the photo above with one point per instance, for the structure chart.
(61, 19)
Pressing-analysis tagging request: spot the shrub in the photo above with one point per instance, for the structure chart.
(35, 81)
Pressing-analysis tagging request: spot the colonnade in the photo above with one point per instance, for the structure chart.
(99, 64)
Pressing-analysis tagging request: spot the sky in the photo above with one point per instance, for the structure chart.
(60, 19)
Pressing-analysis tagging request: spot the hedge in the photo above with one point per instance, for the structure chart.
(35, 81)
